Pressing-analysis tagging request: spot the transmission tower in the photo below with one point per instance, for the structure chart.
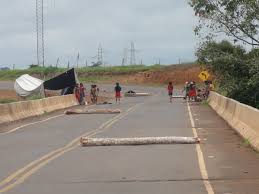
(125, 57)
(40, 32)
(100, 55)
(132, 54)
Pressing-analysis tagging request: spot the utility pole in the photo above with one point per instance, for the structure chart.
(57, 63)
(132, 54)
(125, 57)
(77, 61)
(13, 66)
(40, 33)
(123, 62)
(86, 63)
(68, 64)
(100, 55)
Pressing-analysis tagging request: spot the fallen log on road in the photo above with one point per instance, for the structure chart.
(178, 96)
(93, 111)
(85, 141)
(136, 94)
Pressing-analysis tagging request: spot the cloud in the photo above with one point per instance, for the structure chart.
(159, 29)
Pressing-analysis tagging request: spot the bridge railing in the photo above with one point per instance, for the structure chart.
(243, 118)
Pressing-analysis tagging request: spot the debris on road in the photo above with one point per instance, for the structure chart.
(93, 111)
(131, 93)
(85, 141)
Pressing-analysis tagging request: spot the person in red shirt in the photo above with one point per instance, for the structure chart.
(117, 90)
(170, 89)
(77, 93)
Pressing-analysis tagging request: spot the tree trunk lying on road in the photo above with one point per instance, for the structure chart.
(85, 141)
(93, 111)
(136, 94)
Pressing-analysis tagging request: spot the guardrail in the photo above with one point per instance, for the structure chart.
(243, 118)
(24, 109)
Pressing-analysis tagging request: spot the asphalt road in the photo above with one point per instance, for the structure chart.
(46, 158)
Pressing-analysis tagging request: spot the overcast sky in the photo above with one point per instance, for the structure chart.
(159, 28)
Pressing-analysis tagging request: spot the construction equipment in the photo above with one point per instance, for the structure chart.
(85, 141)
(93, 111)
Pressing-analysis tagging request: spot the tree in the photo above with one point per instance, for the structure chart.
(238, 19)
(236, 71)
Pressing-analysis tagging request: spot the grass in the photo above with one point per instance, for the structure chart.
(49, 72)
(7, 100)
(34, 97)
(246, 143)
(205, 103)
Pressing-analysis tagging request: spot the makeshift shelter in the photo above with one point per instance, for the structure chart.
(65, 82)
(27, 85)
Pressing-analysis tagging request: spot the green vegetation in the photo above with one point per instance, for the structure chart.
(34, 97)
(5, 101)
(205, 103)
(236, 68)
(246, 143)
(85, 73)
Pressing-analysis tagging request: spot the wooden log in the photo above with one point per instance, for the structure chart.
(178, 96)
(137, 94)
(93, 111)
(85, 141)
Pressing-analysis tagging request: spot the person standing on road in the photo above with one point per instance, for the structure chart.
(170, 89)
(94, 93)
(77, 93)
(117, 90)
(82, 94)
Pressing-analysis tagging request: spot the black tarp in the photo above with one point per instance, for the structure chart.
(62, 81)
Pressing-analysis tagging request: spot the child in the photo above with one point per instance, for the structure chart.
(170, 89)
(117, 90)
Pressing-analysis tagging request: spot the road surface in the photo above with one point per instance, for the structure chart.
(45, 157)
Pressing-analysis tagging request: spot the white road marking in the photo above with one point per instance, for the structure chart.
(201, 160)
(28, 124)
(36, 122)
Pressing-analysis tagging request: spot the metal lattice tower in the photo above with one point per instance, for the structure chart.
(125, 57)
(40, 32)
(132, 54)
(100, 55)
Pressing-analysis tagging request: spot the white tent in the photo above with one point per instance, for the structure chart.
(27, 85)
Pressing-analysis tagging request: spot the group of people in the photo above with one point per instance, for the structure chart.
(80, 93)
(191, 91)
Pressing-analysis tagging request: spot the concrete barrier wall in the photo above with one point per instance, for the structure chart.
(24, 109)
(244, 119)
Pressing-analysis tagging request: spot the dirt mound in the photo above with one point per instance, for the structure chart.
(176, 74)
